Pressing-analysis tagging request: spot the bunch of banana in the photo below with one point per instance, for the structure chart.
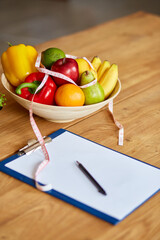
(107, 74)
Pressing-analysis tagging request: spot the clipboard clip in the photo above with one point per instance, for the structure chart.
(32, 145)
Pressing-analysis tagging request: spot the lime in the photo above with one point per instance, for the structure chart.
(50, 56)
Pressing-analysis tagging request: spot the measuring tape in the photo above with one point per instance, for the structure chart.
(43, 164)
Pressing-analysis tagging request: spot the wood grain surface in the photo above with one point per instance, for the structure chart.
(26, 213)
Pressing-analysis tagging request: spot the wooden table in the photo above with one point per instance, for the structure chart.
(133, 43)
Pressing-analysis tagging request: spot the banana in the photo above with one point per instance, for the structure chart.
(96, 62)
(109, 79)
(104, 66)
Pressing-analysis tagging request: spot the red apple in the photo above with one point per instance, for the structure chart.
(68, 67)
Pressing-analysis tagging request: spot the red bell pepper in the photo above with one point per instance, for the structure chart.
(45, 95)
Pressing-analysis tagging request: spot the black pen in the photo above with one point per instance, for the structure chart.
(84, 170)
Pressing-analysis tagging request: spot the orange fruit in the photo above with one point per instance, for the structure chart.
(69, 95)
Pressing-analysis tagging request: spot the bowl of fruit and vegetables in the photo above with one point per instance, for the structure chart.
(58, 100)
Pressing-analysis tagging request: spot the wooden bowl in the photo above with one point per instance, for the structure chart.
(57, 113)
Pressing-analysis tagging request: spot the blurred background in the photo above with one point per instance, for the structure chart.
(35, 21)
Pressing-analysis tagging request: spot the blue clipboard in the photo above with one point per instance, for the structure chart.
(118, 173)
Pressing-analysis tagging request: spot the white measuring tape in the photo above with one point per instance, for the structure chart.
(119, 125)
(43, 164)
(60, 75)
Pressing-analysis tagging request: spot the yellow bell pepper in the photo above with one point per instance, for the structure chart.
(18, 62)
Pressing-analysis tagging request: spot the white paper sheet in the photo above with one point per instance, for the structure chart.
(128, 182)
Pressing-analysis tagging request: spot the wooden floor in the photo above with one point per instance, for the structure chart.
(34, 22)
